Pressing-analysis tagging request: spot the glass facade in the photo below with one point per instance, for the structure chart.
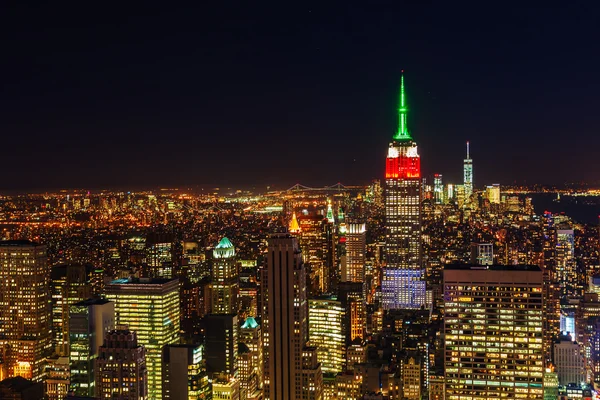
(151, 309)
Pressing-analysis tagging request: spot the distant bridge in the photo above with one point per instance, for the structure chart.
(301, 188)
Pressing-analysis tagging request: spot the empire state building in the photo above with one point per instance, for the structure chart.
(403, 278)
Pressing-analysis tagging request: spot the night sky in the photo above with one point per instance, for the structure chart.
(241, 93)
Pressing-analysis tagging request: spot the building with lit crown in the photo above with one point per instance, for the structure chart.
(225, 279)
(468, 176)
(356, 240)
(251, 365)
(403, 277)
(149, 307)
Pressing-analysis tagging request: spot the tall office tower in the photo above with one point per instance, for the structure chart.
(326, 332)
(285, 320)
(221, 343)
(493, 332)
(316, 240)
(251, 337)
(149, 307)
(568, 360)
(403, 284)
(121, 367)
(492, 193)
(351, 296)
(482, 253)
(438, 189)
(468, 175)
(25, 318)
(552, 292)
(69, 284)
(89, 322)
(225, 279)
(184, 373)
(356, 241)
(566, 266)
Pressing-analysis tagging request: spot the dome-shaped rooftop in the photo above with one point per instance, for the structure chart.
(224, 249)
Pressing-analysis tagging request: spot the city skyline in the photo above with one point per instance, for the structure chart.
(101, 103)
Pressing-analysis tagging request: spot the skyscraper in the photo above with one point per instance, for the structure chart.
(225, 279)
(89, 322)
(468, 175)
(326, 317)
(251, 338)
(69, 284)
(356, 238)
(438, 189)
(25, 318)
(149, 307)
(184, 373)
(403, 284)
(121, 367)
(285, 321)
(221, 339)
(493, 332)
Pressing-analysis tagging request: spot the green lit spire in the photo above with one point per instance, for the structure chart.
(402, 133)
(329, 213)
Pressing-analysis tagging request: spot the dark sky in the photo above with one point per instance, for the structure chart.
(234, 93)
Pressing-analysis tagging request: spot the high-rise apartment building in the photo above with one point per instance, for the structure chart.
(468, 175)
(403, 284)
(121, 367)
(493, 332)
(225, 279)
(184, 372)
(285, 321)
(326, 332)
(356, 241)
(89, 321)
(25, 317)
(149, 307)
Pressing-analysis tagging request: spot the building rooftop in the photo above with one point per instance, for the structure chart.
(18, 243)
(141, 281)
(467, 267)
(250, 323)
(91, 302)
(17, 383)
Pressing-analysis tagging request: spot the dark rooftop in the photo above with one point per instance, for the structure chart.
(465, 267)
(91, 302)
(18, 243)
(17, 383)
